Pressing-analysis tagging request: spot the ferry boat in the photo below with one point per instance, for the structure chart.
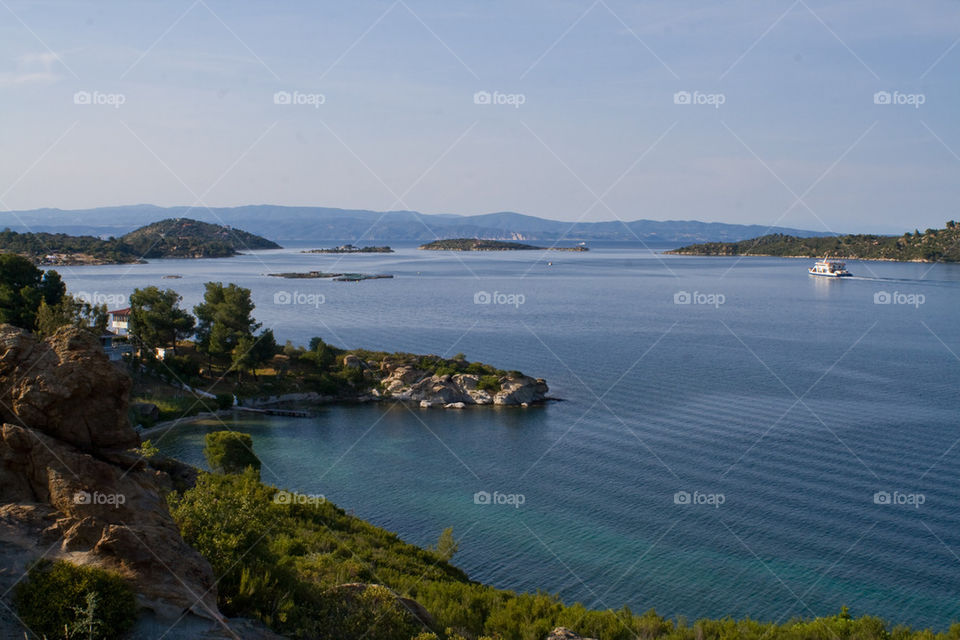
(829, 268)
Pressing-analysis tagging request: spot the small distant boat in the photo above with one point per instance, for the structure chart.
(829, 268)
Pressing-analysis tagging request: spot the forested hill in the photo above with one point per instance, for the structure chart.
(933, 245)
(173, 238)
(186, 238)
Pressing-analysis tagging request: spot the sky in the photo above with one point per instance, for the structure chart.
(730, 111)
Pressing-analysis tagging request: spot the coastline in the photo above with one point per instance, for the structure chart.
(770, 255)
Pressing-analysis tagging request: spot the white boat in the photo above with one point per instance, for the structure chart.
(829, 268)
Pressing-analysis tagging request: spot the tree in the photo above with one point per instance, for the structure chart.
(224, 317)
(447, 546)
(156, 319)
(23, 288)
(230, 452)
(71, 312)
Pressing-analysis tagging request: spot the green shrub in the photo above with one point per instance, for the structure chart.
(62, 600)
(224, 401)
(490, 384)
(230, 452)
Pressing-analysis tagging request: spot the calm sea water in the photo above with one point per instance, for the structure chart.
(815, 431)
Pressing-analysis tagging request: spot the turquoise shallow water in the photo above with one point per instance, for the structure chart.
(793, 402)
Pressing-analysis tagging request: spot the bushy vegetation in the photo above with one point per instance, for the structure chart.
(24, 288)
(230, 452)
(62, 600)
(284, 562)
(932, 245)
(37, 246)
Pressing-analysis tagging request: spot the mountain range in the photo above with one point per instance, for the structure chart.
(297, 224)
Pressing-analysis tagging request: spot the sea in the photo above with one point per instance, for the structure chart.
(729, 436)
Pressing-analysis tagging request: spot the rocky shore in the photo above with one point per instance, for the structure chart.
(459, 390)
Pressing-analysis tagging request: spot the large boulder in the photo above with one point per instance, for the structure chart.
(522, 390)
(65, 387)
(69, 486)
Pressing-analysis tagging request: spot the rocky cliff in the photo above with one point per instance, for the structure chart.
(71, 489)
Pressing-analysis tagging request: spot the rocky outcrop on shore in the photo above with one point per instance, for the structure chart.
(71, 489)
(461, 389)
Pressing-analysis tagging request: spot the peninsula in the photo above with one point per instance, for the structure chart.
(171, 238)
(933, 245)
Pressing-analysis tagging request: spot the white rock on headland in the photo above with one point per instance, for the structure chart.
(453, 392)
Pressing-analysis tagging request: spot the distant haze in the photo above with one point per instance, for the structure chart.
(320, 224)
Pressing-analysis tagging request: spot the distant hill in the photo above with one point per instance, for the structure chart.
(933, 245)
(173, 238)
(186, 238)
(293, 224)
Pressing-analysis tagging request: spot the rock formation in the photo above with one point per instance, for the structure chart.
(69, 486)
(415, 385)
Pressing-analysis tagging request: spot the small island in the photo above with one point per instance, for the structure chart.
(338, 277)
(933, 245)
(171, 238)
(480, 244)
(349, 248)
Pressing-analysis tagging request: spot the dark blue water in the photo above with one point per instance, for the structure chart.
(783, 407)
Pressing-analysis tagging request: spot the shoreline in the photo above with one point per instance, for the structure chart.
(277, 402)
(770, 255)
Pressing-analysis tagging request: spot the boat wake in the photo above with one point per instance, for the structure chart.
(941, 283)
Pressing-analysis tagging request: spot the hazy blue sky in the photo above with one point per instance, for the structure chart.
(798, 139)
